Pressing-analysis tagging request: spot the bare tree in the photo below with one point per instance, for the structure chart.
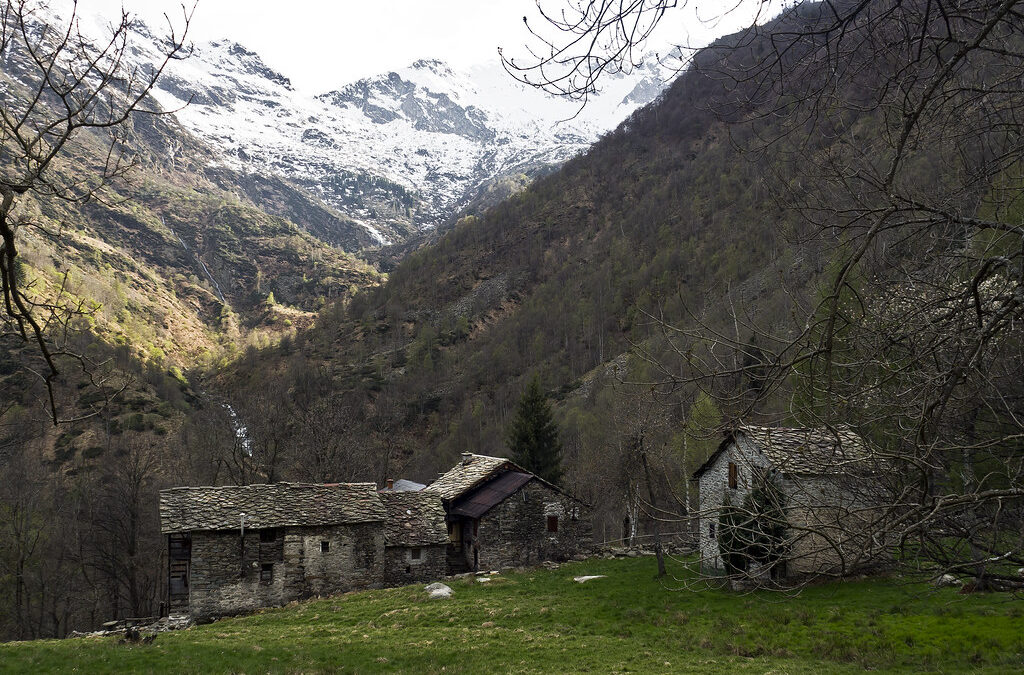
(58, 88)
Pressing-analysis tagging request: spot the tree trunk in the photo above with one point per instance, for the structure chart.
(658, 550)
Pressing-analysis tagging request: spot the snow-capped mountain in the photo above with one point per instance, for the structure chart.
(397, 152)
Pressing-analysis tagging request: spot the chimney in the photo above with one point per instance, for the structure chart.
(389, 484)
(467, 457)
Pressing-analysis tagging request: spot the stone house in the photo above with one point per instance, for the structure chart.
(237, 548)
(415, 537)
(500, 515)
(826, 484)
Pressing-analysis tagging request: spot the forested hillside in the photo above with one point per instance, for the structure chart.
(742, 249)
(140, 286)
(669, 218)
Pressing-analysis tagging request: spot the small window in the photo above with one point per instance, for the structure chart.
(267, 572)
(552, 523)
(711, 530)
(267, 535)
(325, 546)
(416, 554)
(734, 475)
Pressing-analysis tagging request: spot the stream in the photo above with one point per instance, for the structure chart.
(199, 260)
(241, 431)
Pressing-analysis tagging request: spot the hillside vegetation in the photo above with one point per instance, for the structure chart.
(666, 219)
(542, 621)
(169, 269)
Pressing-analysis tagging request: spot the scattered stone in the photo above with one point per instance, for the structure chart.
(549, 565)
(133, 636)
(586, 578)
(579, 557)
(484, 579)
(437, 590)
(945, 581)
(632, 553)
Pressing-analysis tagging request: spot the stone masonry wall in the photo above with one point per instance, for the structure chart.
(400, 568)
(832, 523)
(829, 515)
(355, 557)
(515, 532)
(714, 490)
(225, 577)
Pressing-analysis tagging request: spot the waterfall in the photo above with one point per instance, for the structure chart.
(241, 431)
(199, 260)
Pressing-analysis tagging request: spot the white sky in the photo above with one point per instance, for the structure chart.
(320, 45)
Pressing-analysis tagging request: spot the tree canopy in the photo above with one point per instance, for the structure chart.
(533, 435)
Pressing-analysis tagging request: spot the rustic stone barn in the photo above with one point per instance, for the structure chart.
(237, 548)
(792, 502)
(415, 537)
(500, 515)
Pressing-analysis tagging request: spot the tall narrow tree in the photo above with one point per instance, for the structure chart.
(533, 436)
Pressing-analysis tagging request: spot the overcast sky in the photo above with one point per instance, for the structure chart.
(320, 45)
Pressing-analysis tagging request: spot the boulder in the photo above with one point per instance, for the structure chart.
(437, 590)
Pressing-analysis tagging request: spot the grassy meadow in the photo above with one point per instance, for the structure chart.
(541, 621)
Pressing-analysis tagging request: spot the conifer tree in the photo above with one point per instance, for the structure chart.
(533, 436)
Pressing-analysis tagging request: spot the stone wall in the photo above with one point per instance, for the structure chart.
(354, 559)
(832, 521)
(227, 577)
(401, 568)
(714, 490)
(830, 516)
(515, 532)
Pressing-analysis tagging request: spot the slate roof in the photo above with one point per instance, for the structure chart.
(403, 485)
(467, 474)
(414, 519)
(481, 500)
(810, 451)
(803, 451)
(185, 509)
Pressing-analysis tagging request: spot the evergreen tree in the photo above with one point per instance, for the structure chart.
(533, 437)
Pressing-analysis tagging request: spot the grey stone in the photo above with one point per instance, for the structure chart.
(438, 591)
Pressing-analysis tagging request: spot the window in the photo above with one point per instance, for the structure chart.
(267, 572)
(267, 535)
(325, 546)
(711, 530)
(734, 475)
(415, 554)
(552, 523)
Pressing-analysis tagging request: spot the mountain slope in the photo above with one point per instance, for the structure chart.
(398, 152)
(665, 216)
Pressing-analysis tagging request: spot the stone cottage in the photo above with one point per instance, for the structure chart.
(237, 548)
(500, 515)
(825, 498)
(415, 537)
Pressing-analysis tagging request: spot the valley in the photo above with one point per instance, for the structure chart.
(815, 225)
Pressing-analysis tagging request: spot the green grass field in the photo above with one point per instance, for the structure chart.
(541, 621)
